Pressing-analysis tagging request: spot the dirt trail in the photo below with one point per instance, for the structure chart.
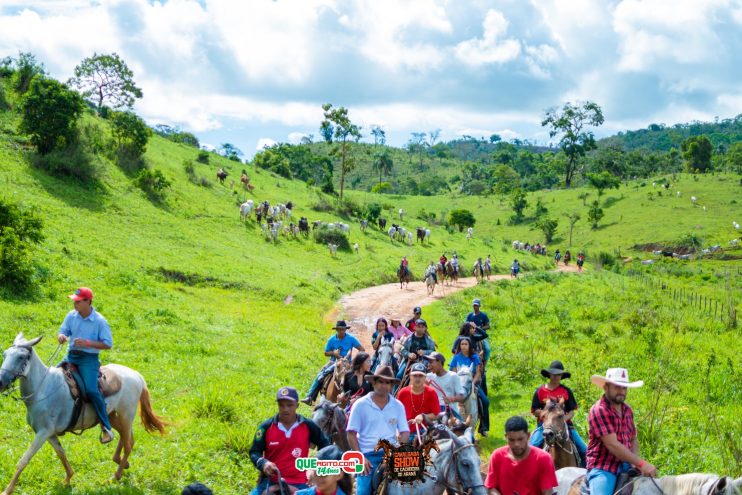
(361, 309)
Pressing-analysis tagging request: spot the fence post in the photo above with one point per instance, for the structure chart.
(716, 306)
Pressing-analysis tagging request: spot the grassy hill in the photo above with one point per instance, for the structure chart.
(216, 318)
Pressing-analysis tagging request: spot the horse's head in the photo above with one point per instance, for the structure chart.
(555, 427)
(386, 351)
(322, 414)
(464, 472)
(15, 360)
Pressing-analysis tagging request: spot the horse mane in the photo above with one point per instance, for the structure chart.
(685, 484)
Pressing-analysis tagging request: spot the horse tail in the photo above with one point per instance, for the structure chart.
(150, 420)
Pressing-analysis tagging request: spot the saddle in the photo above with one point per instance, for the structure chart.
(108, 383)
(379, 481)
(624, 483)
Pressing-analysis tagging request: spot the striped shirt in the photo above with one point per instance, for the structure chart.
(604, 420)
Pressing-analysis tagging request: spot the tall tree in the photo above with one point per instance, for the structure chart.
(602, 181)
(417, 145)
(379, 134)
(595, 214)
(571, 123)
(106, 79)
(343, 130)
(383, 163)
(697, 152)
(433, 137)
(518, 203)
(231, 151)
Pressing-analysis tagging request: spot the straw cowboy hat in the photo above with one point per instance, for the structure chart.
(616, 376)
(384, 372)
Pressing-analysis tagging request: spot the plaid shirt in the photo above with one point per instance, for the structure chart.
(604, 420)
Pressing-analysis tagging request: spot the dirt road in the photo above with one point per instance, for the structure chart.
(361, 309)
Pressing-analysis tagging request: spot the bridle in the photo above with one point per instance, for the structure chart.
(17, 374)
(459, 486)
(335, 414)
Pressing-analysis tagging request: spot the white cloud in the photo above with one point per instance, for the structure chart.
(263, 143)
(296, 137)
(490, 48)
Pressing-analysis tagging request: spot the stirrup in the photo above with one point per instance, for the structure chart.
(108, 438)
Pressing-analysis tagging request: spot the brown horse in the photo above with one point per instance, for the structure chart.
(333, 385)
(403, 276)
(556, 435)
(451, 273)
(441, 273)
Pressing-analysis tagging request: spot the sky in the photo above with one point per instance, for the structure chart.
(255, 72)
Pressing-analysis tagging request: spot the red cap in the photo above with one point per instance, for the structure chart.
(82, 293)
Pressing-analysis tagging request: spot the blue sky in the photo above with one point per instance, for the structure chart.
(252, 72)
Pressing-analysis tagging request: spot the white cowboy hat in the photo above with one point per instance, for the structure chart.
(616, 376)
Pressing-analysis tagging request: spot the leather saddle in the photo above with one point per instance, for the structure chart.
(108, 383)
(624, 483)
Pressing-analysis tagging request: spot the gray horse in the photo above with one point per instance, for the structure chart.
(455, 468)
(49, 406)
(332, 421)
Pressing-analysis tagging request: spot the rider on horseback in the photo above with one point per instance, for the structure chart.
(418, 344)
(480, 267)
(455, 264)
(404, 266)
(338, 346)
(515, 268)
(88, 333)
(382, 335)
(443, 261)
(432, 270)
(557, 256)
(555, 391)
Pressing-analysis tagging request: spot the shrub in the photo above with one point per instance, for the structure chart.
(152, 182)
(26, 68)
(595, 214)
(373, 211)
(325, 235)
(74, 161)
(548, 226)
(203, 157)
(190, 170)
(604, 259)
(350, 207)
(381, 188)
(19, 230)
(49, 114)
(131, 134)
(3, 101)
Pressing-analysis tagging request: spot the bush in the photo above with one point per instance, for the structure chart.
(548, 226)
(152, 182)
(381, 188)
(49, 114)
(461, 218)
(605, 259)
(19, 230)
(373, 211)
(350, 207)
(74, 161)
(203, 157)
(131, 134)
(190, 170)
(325, 235)
(26, 68)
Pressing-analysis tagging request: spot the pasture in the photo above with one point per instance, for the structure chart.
(216, 318)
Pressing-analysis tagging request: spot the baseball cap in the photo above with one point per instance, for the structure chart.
(417, 309)
(287, 393)
(82, 293)
(420, 321)
(476, 302)
(436, 356)
(417, 368)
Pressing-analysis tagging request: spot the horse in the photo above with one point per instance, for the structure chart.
(487, 270)
(430, 283)
(451, 273)
(49, 406)
(455, 467)
(557, 441)
(333, 384)
(332, 420)
(468, 407)
(420, 233)
(404, 276)
(385, 355)
(441, 273)
(571, 479)
(478, 272)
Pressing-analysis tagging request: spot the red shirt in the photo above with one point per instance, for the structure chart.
(561, 392)
(529, 476)
(283, 451)
(414, 404)
(604, 420)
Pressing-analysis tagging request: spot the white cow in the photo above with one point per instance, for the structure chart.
(693, 200)
(401, 233)
(401, 213)
(427, 234)
(333, 249)
(409, 238)
(246, 209)
(392, 232)
(355, 247)
(734, 242)
(344, 227)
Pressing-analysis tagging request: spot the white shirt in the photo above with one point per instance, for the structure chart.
(450, 384)
(373, 424)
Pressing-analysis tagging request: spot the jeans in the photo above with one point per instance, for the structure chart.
(265, 482)
(604, 482)
(484, 413)
(317, 383)
(364, 482)
(487, 350)
(402, 367)
(537, 440)
(88, 366)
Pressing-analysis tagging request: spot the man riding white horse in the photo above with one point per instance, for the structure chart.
(338, 346)
(432, 270)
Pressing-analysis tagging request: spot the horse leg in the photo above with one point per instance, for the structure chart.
(38, 441)
(125, 443)
(54, 442)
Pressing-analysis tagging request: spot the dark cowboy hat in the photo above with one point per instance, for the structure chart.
(555, 368)
(341, 324)
(382, 372)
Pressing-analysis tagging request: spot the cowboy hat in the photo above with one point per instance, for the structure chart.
(555, 368)
(382, 372)
(616, 376)
(341, 324)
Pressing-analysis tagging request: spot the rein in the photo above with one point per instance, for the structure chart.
(17, 375)
(446, 470)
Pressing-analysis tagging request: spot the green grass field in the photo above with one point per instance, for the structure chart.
(216, 318)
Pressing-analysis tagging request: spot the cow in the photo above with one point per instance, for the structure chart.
(427, 235)
(364, 225)
(355, 247)
(382, 223)
(401, 214)
(392, 232)
(333, 249)
(304, 226)
(221, 175)
(246, 209)
(316, 224)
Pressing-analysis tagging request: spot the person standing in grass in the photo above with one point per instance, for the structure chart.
(88, 333)
(280, 440)
(339, 345)
(613, 447)
(517, 468)
(555, 391)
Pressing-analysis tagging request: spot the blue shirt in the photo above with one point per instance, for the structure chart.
(461, 360)
(345, 345)
(313, 491)
(480, 320)
(94, 327)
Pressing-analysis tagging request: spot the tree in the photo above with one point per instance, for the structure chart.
(382, 188)
(595, 214)
(573, 218)
(583, 197)
(518, 203)
(106, 78)
(416, 144)
(231, 152)
(603, 180)
(131, 133)
(433, 137)
(26, 68)
(383, 163)
(548, 226)
(576, 140)
(506, 179)
(343, 129)
(461, 218)
(379, 135)
(19, 230)
(49, 114)
(495, 138)
(697, 152)
(733, 158)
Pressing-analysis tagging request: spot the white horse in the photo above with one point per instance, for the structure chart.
(392, 232)
(455, 469)
(385, 354)
(683, 484)
(430, 283)
(468, 407)
(49, 406)
(246, 209)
